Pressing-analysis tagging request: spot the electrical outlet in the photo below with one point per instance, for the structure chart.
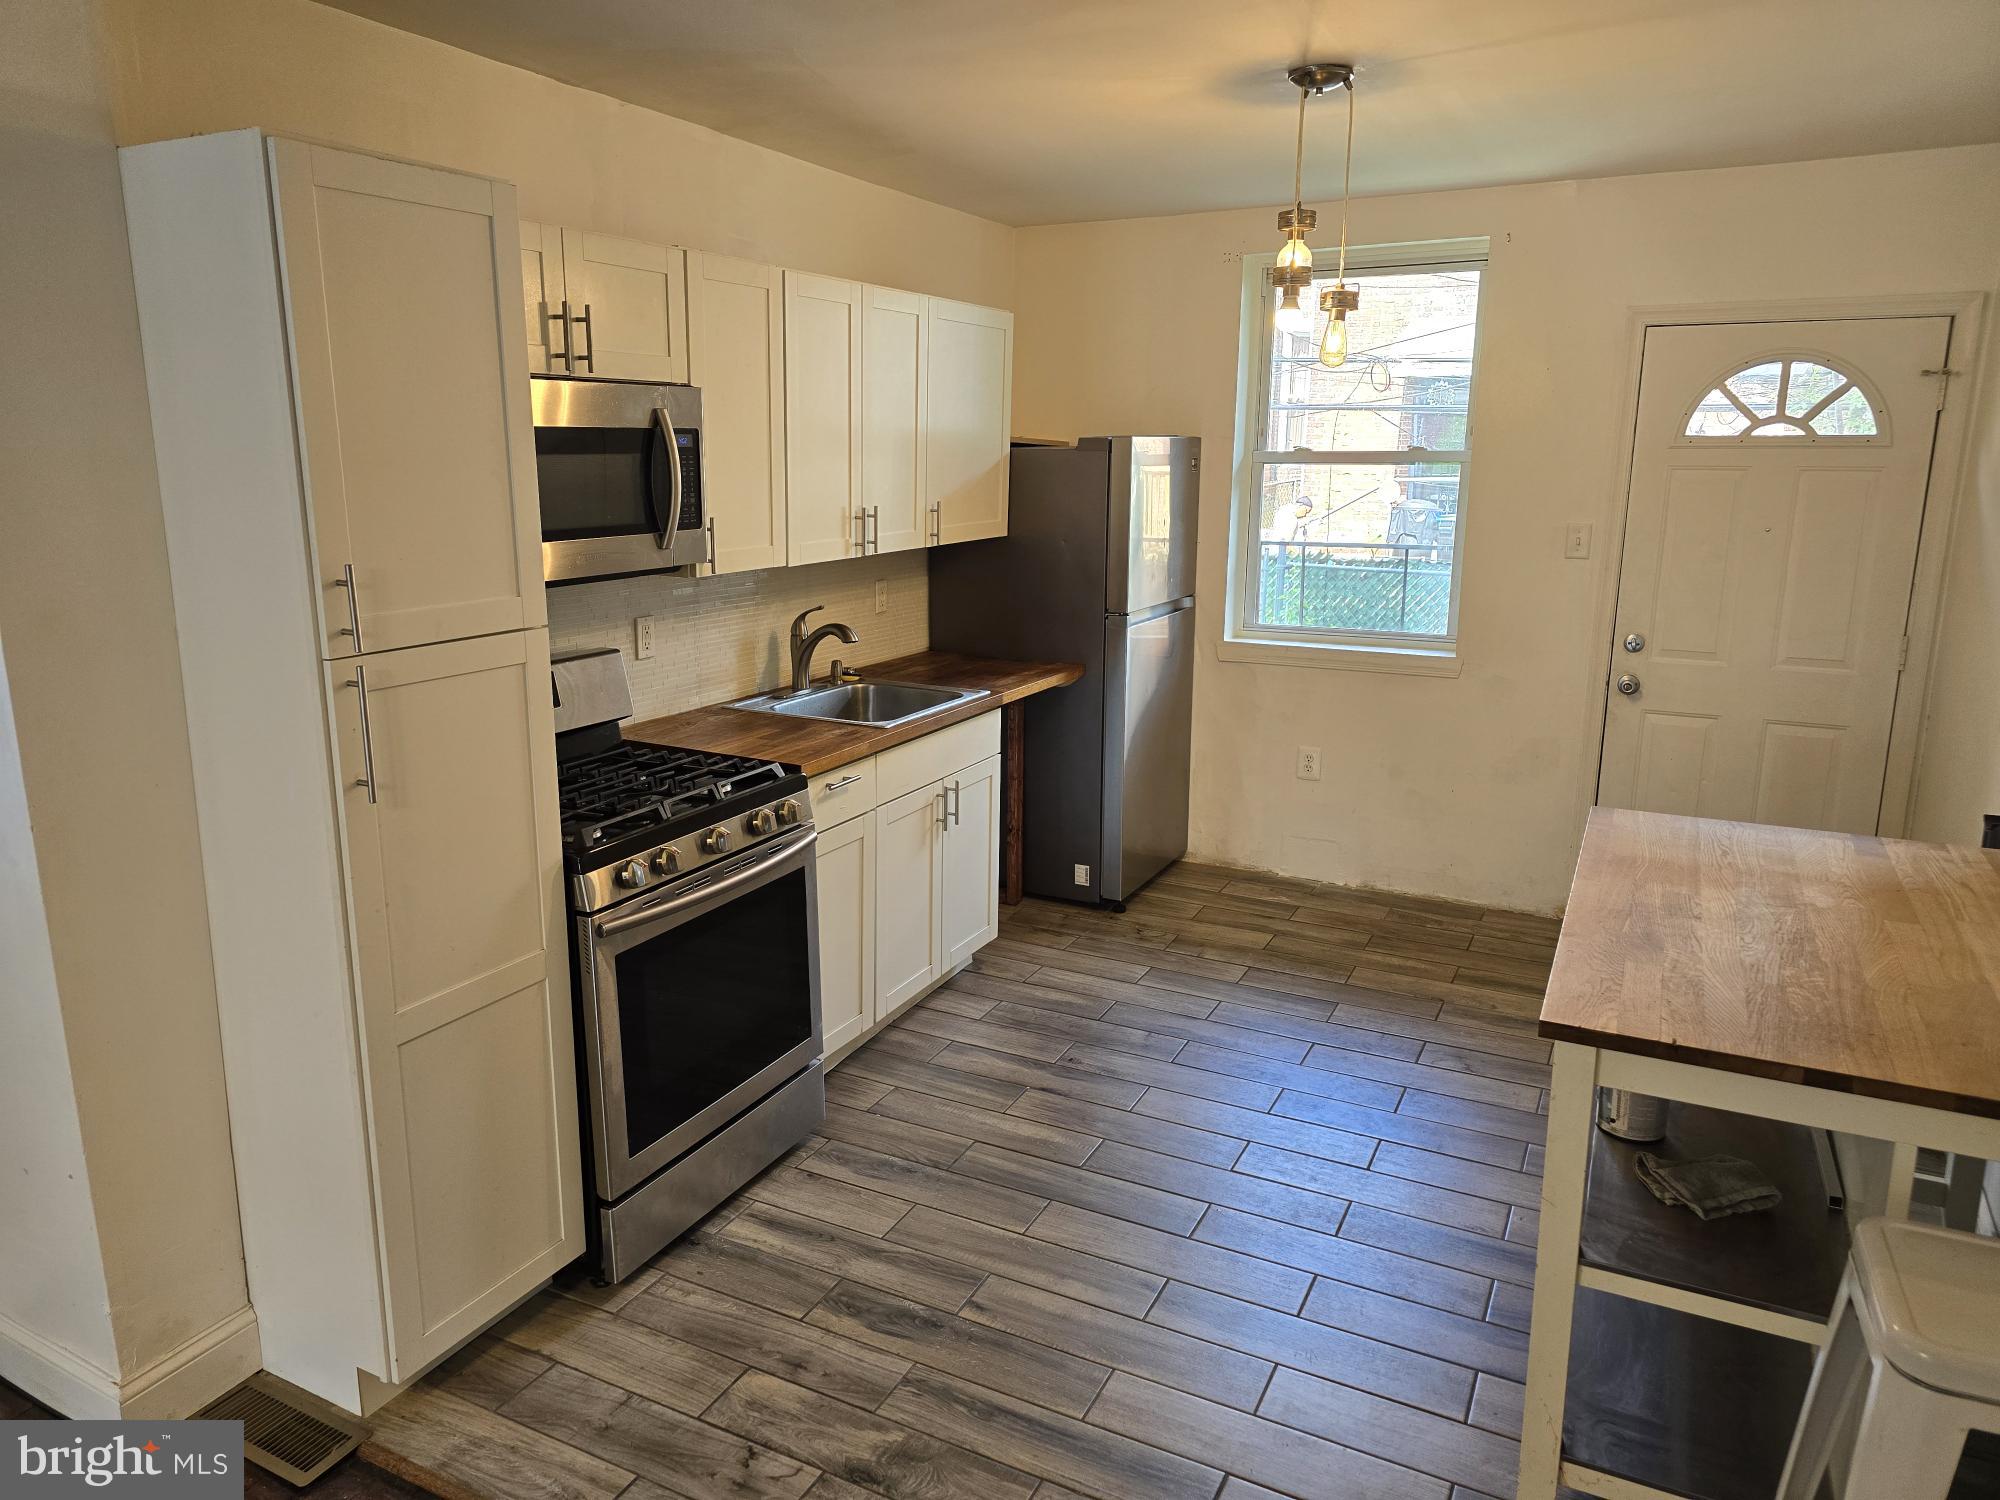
(642, 638)
(1308, 763)
(1083, 874)
(1576, 540)
(881, 596)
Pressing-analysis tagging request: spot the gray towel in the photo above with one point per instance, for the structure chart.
(1712, 1186)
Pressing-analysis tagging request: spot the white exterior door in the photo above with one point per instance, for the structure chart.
(736, 331)
(455, 873)
(970, 377)
(969, 862)
(403, 304)
(845, 865)
(1778, 484)
(822, 419)
(907, 888)
(629, 300)
(894, 328)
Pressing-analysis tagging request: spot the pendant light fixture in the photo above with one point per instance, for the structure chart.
(1292, 275)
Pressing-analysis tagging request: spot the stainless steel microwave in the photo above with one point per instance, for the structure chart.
(620, 467)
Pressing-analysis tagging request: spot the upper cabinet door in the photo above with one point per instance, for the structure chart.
(970, 378)
(628, 305)
(455, 869)
(823, 381)
(542, 295)
(403, 295)
(736, 349)
(894, 329)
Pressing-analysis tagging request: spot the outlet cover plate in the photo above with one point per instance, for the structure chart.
(1309, 763)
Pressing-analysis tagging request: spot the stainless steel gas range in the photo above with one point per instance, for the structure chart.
(696, 965)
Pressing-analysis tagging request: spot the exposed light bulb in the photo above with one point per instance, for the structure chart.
(1292, 316)
(1333, 343)
(1296, 255)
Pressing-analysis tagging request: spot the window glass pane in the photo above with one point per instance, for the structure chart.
(1408, 373)
(1757, 387)
(1809, 382)
(1356, 547)
(1717, 416)
(1847, 416)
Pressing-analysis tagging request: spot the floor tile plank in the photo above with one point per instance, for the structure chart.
(1357, 1185)
(1212, 1266)
(1481, 1254)
(1126, 1033)
(1410, 1325)
(915, 1183)
(927, 1078)
(1079, 1080)
(1210, 1115)
(747, 1273)
(1252, 1194)
(1392, 1125)
(1073, 1274)
(1457, 1082)
(1145, 1073)
(857, 1257)
(1434, 1445)
(624, 1353)
(1083, 1188)
(481, 1453)
(1217, 1149)
(1350, 1260)
(1019, 1129)
(904, 1138)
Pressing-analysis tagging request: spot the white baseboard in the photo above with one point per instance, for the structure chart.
(178, 1383)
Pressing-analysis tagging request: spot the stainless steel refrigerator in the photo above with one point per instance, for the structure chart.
(1097, 566)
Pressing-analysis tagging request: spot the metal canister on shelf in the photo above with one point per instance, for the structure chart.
(1630, 1116)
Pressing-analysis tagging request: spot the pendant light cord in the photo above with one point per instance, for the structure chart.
(1346, 177)
(1299, 162)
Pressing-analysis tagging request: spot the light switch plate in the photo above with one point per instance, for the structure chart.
(1576, 539)
(642, 638)
(1308, 763)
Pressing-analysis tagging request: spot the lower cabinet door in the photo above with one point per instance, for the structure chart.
(845, 857)
(455, 873)
(969, 862)
(908, 956)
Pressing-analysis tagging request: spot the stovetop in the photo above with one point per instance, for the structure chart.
(631, 789)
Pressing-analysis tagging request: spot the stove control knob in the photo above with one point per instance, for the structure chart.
(788, 813)
(631, 875)
(716, 841)
(665, 861)
(760, 822)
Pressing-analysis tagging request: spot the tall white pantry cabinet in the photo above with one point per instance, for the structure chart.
(340, 411)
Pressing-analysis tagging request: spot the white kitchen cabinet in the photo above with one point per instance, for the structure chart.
(736, 355)
(337, 380)
(894, 332)
(969, 381)
(823, 446)
(628, 303)
(969, 862)
(845, 860)
(909, 953)
(542, 292)
(419, 456)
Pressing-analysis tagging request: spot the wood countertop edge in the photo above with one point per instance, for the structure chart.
(820, 745)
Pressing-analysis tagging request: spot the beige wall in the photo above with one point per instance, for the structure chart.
(88, 621)
(1474, 786)
(578, 158)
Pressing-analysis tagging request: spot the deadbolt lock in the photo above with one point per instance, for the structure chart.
(1635, 642)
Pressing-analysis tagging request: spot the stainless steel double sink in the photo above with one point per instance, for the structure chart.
(877, 704)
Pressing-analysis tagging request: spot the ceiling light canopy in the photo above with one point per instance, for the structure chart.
(1292, 275)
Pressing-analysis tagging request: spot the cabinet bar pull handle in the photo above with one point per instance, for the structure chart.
(944, 809)
(839, 782)
(569, 339)
(860, 537)
(951, 806)
(872, 528)
(359, 681)
(589, 355)
(346, 581)
(714, 566)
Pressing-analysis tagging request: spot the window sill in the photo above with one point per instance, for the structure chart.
(1411, 661)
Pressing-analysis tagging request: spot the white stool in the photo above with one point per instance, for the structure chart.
(1916, 1334)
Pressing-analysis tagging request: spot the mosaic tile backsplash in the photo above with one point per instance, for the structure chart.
(721, 638)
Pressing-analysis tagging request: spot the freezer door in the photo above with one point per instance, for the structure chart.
(1148, 727)
(1151, 523)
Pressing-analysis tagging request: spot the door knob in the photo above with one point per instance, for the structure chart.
(1628, 684)
(1635, 642)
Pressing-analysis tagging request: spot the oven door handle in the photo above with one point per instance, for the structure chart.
(776, 853)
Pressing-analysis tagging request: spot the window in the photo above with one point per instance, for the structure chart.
(1784, 396)
(1348, 508)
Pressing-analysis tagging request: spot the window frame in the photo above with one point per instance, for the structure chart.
(1880, 437)
(1244, 640)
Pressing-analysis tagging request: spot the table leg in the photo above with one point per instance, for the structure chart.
(1565, 1168)
(1013, 780)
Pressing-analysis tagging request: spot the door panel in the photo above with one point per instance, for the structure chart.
(403, 306)
(907, 884)
(636, 298)
(846, 860)
(969, 901)
(1149, 717)
(455, 874)
(1150, 557)
(970, 377)
(823, 376)
(895, 330)
(736, 324)
(1767, 578)
(541, 291)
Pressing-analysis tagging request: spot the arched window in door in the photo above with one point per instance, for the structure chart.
(1801, 397)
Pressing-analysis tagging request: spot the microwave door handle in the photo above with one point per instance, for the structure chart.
(672, 518)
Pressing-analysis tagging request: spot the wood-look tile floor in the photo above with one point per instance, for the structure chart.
(1230, 1194)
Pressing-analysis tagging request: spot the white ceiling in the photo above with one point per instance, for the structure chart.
(1046, 111)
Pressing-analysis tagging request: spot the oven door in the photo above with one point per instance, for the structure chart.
(698, 1000)
(619, 467)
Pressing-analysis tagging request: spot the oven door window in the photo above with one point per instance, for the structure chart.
(601, 481)
(708, 1004)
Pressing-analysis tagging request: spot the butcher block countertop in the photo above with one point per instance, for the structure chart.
(817, 745)
(1861, 964)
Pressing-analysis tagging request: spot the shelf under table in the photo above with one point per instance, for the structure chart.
(1786, 1259)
